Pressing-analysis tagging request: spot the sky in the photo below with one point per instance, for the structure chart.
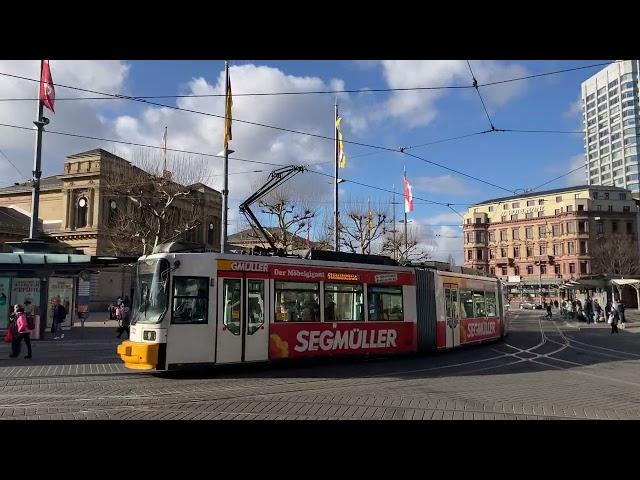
(391, 119)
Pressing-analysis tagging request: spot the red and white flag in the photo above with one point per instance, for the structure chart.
(408, 196)
(47, 92)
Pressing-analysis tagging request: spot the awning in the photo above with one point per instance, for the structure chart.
(625, 281)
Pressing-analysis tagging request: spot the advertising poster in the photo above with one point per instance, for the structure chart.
(61, 289)
(5, 293)
(26, 292)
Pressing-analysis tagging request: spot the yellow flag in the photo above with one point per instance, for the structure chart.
(227, 113)
(342, 157)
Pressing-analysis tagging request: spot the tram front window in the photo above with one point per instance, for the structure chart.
(152, 291)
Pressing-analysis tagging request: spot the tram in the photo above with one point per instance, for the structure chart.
(199, 309)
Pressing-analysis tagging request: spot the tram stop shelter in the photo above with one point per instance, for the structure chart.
(34, 280)
(601, 288)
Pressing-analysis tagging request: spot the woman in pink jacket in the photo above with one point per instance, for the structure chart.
(23, 334)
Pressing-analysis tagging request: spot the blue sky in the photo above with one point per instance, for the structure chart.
(512, 160)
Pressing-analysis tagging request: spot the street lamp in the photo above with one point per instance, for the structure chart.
(225, 196)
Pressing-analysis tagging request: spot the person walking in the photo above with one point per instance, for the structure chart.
(548, 310)
(613, 317)
(24, 333)
(588, 310)
(623, 320)
(59, 314)
(597, 309)
(125, 322)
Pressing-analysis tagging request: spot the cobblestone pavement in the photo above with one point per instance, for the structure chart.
(542, 370)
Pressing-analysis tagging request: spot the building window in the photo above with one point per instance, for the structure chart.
(614, 226)
(541, 201)
(583, 247)
(82, 211)
(556, 269)
(479, 254)
(503, 252)
(570, 208)
(504, 271)
(540, 214)
(515, 233)
(492, 236)
(528, 232)
(479, 237)
(469, 254)
(529, 251)
(516, 270)
(629, 227)
(557, 249)
(529, 269)
(503, 235)
(558, 211)
(572, 268)
(559, 198)
(514, 217)
(543, 269)
(531, 203)
(468, 221)
(478, 220)
(528, 215)
(515, 205)
(570, 227)
(492, 271)
(600, 227)
(297, 301)
(581, 208)
(610, 208)
(491, 208)
(595, 195)
(542, 232)
(582, 227)
(626, 209)
(557, 231)
(505, 206)
(571, 248)
(343, 302)
(583, 267)
(516, 252)
(543, 248)
(492, 254)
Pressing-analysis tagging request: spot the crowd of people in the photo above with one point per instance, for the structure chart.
(590, 311)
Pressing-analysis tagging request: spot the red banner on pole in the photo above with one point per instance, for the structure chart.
(47, 92)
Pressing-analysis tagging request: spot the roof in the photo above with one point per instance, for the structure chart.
(551, 192)
(95, 151)
(46, 183)
(625, 281)
(13, 219)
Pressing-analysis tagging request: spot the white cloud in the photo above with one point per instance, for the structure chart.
(446, 218)
(578, 177)
(574, 110)
(444, 244)
(443, 184)
(418, 107)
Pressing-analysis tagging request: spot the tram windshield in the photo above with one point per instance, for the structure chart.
(152, 291)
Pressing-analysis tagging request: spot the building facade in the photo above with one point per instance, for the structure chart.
(77, 210)
(611, 123)
(539, 240)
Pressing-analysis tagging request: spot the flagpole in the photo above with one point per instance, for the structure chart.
(225, 189)
(164, 151)
(393, 203)
(406, 242)
(37, 161)
(369, 222)
(335, 186)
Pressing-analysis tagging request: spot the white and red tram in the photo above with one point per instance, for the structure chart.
(195, 309)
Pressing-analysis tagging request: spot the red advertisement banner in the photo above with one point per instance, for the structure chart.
(475, 329)
(295, 340)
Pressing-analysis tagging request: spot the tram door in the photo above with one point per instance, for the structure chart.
(243, 319)
(453, 315)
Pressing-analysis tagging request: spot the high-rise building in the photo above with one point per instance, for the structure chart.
(611, 122)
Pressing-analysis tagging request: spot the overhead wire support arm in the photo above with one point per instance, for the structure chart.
(275, 179)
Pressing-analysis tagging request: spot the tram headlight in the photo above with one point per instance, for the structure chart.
(149, 335)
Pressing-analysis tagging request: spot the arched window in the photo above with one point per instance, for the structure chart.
(82, 210)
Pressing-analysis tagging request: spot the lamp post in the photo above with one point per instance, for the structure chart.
(225, 198)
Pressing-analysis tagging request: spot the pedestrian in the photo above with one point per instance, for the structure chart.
(12, 329)
(555, 303)
(613, 318)
(623, 320)
(548, 310)
(24, 333)
(588, 310)
(597, 309)
(59, 314)
(124, 322)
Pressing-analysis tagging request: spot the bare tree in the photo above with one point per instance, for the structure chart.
(360, 228)
(615, 254)
(413, 249)
(152, 209)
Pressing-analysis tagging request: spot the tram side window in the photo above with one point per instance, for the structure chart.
(297, 302)
(479, 307)
(343, 302)
(490, 299)
(466, 304)
(385, 304)
(190, 300)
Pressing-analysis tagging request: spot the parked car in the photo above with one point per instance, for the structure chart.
(527, 306)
